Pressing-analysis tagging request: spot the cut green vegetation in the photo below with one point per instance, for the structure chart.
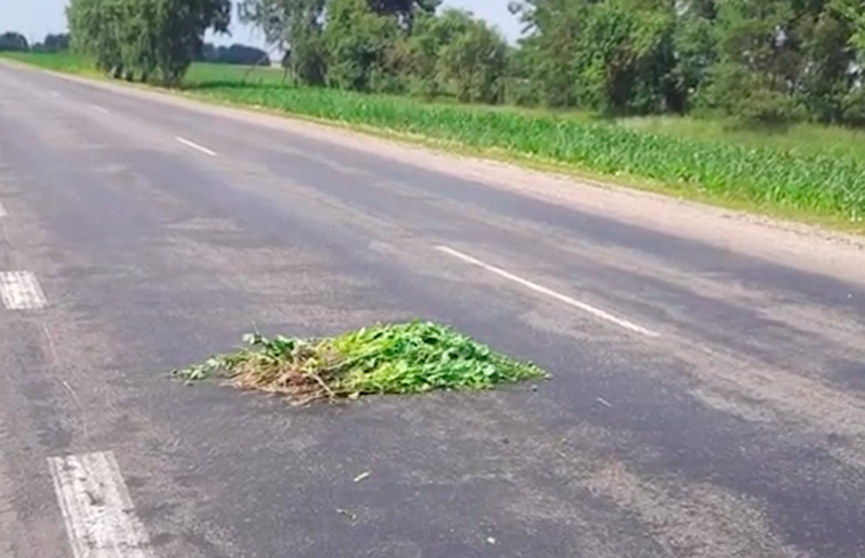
(409, 358)
(792, 177)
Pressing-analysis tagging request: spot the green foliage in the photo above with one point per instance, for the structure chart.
(770, 63)
(295, 27)
(628, 57)
(234, 54)
(360, 47)
(145, 37)
(11, 41)
(695, 43)
(53, 43)
(410, 358)
(473, 60)
(761, 63)
(423, 47)
(551, 48)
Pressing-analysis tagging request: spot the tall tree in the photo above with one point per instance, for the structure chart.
(360, 46)
(473, 61)
(756, 75)
(405, 10)
(93, 28)
(625, 57)
(553, 29)
(611, 55)
(295, 28)
(13, 41)
(696, 50)
(55, 42)
(145, 36)
(430, 35)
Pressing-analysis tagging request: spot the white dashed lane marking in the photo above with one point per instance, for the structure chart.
(193, 145)
(3, 212)
(588, 308)
(97, 510)
(101, 109)
(20, 290)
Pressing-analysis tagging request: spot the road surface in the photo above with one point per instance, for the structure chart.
(708, 398)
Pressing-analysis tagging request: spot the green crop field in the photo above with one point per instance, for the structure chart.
(811, 173)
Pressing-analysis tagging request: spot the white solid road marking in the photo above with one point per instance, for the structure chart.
(597, 312)
(20, 290)
(195, 146)
(97, 509)
(101, 109)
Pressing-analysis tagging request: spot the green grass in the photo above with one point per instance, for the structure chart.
(808, 173)
(65, 62)
(804, 139)
(410, 358)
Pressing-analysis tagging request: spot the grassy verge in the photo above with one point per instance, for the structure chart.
(407, 358)
(821, 183)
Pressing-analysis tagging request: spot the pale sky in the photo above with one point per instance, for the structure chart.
(36, 18)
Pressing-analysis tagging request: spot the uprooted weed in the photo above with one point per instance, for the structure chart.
(416, 357)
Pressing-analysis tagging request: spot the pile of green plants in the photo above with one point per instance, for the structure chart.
(408, 358)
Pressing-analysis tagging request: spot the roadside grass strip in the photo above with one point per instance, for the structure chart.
(408, 358)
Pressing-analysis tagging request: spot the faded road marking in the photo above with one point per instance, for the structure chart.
(20, 290)
(597, 312)
(3, 212)
(195, 146)
(97, 509)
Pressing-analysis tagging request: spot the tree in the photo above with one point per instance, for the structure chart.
(553, 29)
(145, 36)
(757, 78)
(627, 60)
(430, 35)
(695, 46)
(179, 29)
(404, 10)
(360, 47)
(92, 26)
(234, 54)
(13, 42)
(473, 60)
(609, 55)
(53, 43)
(295, 28)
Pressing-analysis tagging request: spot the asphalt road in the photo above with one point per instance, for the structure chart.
(705, 403)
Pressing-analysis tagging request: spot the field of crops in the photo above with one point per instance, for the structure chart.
(803, 182)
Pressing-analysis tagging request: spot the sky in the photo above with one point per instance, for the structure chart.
(35, 18)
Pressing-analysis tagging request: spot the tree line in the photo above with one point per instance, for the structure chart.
(12, 41)
(240, 54)
(759, 61)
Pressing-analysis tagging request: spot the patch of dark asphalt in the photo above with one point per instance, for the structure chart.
(680, 252)
(285, 465)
